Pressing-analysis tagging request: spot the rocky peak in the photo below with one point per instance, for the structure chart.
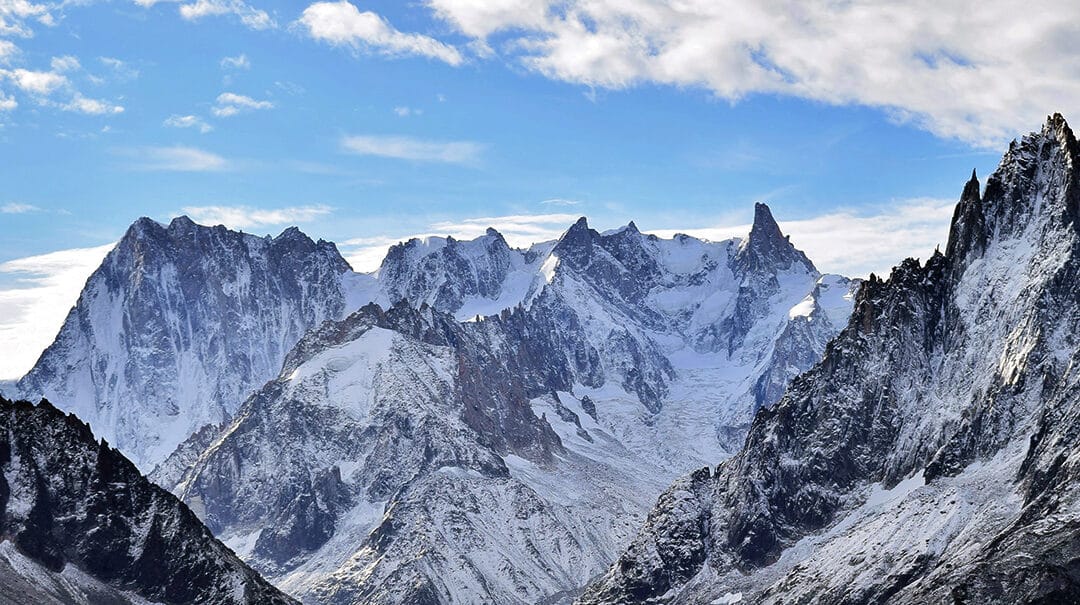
(181, 224)
(152, 350)
(1038, 170)
(293, 233)
(577, 242)
(767, 249)
(967, 234)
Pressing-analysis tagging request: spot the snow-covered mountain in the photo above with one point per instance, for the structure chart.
(404, 455)
(180, 324)
(931, 456)
(80, 524)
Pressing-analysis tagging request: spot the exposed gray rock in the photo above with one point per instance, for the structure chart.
(929, 457)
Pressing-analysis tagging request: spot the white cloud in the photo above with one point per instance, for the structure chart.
(248, 15)
(558, 201)
(341, 23)
(409, 148)
(176, 159)
(238, 62)
(246, 217)
(43, 85)
(230, 104)
(7, 50)
(35, 82)
(978, 71)
(65, 63)
(17, 208)
(121, 68)
(32, 312)
(178, 121)
(404, 112)
(16, 14)
(81, 104)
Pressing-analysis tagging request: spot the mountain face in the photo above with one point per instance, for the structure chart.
(180, 324)
(80, 524)
(403, 455)
(930, 456)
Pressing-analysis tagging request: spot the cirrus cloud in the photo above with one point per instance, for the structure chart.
(176, 158)
(229, 104)
(410, 148)
(189, 121)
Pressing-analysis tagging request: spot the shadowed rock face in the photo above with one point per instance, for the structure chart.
(178, 326)
(67, 500)
(958, 373)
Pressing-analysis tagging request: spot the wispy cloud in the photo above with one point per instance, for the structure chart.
(31, 312)
(238, 62)
(409, 148)
(189, 121)
(403, 111)
(53, 88)
(17, 208)
(96, 107)
(17, 17)
(121, 69)
(177, 158)
(247, 217)
(65, 63)
(558, 201)
(230, 104)
(342, 24)
(250, 16)
(7, 50)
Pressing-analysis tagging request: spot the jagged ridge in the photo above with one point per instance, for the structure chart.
(941, 376)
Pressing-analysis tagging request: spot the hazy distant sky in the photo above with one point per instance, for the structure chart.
(367, 122)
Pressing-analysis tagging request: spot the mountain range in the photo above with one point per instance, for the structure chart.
(479, 423)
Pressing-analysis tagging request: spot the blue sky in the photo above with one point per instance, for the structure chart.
(368, 122)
